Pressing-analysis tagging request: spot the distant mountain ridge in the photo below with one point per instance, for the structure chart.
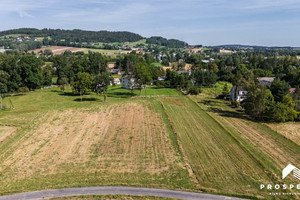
(252, 46)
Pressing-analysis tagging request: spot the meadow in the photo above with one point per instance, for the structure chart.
(160, 139)
(57, 50)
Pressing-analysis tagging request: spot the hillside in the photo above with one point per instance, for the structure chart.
(80, 38)
(77, 35)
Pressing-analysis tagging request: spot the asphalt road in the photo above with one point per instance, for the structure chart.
(105, 190)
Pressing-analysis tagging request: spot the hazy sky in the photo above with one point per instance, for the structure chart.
(207, 22)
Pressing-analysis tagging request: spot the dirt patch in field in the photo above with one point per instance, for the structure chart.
(121, 138)
(6, 132)
(290, 130)
(59, 49)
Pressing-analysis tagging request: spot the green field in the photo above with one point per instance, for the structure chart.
(132, 44)
(104, 51)
(160, 139)
(216, 89)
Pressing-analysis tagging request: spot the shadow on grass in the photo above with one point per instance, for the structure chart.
(157, 88)
(225, 113)
(72, 94)
(85, 99)
(121, 94)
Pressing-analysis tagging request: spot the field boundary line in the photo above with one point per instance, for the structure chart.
(186, 161)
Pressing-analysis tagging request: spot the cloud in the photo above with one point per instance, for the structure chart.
(23, 14)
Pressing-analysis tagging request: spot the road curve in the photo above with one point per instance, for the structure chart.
(106, 190)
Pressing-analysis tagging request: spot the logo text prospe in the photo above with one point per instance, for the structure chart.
(278, 186)
(285, 172)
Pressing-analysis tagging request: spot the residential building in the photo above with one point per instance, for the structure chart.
(115, 71)
(237, 93)
(116, 81)
(162, 78)
(128, 82)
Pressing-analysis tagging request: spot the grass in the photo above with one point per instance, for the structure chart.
(54, 80)
(271, 151)
(132, 44)
(156, 64)
(49, 63)
(218, 161)
(216, 89)
(112, 197)
(104, 51)
(61, 142)
(118, 92)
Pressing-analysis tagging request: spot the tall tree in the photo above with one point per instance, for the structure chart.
(3, 85)
(101, 83)
(279, 89)
(82, 83)
(31, 72)
(143, 75)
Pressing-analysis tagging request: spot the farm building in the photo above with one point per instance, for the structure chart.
(237, 93)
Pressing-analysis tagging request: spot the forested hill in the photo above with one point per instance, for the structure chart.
(77, 35)
(172, 43)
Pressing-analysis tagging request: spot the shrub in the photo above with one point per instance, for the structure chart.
(236, 104)
(194, 90)
(23, 89)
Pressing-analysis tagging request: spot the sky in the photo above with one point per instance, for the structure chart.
(206, 22)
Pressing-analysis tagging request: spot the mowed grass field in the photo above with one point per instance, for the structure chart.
(269, 149)
(57, 141)
(219, 162)
(159, 139)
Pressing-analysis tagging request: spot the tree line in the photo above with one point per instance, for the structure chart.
(77, 35)
(171, 43)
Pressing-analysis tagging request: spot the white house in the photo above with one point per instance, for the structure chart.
(128, 82)
(237, 93)
(161, 78)
(116, 81)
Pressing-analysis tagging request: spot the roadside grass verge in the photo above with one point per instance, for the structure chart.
(113, 197)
